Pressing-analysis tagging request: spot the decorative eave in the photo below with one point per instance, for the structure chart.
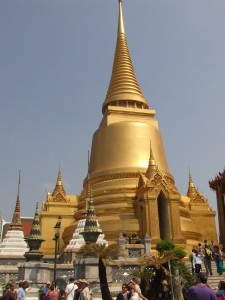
(218, 182)
(158, 181)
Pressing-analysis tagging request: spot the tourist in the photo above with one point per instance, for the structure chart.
(70, 289)
(133, 295)
(206, 243)
(207, 260)
(23, 286)
(11, 294)
(85, 292)
(197, 261)
(200, 291)
(212, 247)
(78, 290)
(164, 291)
(44, 291)
(191, 259)
(136, 282)
(218, 257)
(221, 291)
(124, 293)
(200, 248)
(52, 293)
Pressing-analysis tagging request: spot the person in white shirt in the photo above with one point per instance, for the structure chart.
(70, 289)
(197, 261)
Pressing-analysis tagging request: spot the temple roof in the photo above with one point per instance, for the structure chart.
(58, 194)
(123, 85)
(218, 181)
(193, 193)
(59, 185)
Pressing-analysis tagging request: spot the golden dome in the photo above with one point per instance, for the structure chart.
(124, 147)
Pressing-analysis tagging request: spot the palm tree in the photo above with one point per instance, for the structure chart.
(157, 261)
(103, 253)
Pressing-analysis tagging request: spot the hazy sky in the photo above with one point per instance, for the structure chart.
(56, 60)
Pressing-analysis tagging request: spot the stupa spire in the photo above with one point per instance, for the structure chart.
(123, 89)
(16, 220)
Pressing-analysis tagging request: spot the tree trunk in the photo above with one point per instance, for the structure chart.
(103, 281)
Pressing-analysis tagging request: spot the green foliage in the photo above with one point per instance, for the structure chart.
(40, 289)
(165, 246)
(146, 273)
(101, 251)
(6, 286)
(179, 253)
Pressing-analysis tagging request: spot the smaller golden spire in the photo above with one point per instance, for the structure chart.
(59, 189)
(151, 165)
(191, 192)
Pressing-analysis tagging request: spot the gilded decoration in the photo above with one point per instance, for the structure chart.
(198, 198)
(59, 198)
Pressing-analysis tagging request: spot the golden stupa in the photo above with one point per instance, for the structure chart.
(133, 189)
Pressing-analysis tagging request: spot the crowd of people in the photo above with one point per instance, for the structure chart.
(205, 254)
(17, 294)
(75, 290)
(80, 289)
(131, 291)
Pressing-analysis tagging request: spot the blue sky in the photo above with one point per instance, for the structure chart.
(56, 60)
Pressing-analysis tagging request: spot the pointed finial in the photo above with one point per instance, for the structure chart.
(151, 165)
(59, 174)
(17, 208)
(59, 189)
(16, 220)
(191, 192)
(123, 87)
(121, 29)
(35, 229)
(88, 163)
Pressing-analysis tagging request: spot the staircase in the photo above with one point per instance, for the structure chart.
(215, 278)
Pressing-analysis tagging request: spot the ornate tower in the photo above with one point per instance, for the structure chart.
(34, 240)
(121, 172)
(14, 243)
(57, 203)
